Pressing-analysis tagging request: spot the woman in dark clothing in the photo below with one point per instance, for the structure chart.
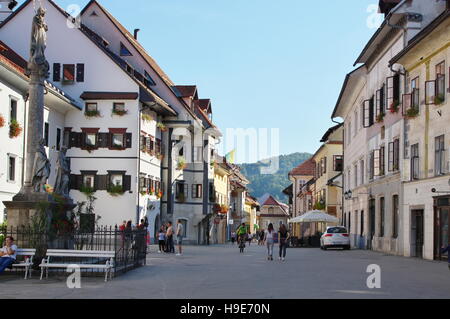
(283, 235)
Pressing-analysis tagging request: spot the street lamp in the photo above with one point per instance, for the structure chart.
(348, 195)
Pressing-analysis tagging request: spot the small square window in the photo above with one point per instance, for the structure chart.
(117, 140)
(11, 168)
(119, 107)
(91, 139)
(116, 180)
(91, 107)
(88, 181)
(69, 73)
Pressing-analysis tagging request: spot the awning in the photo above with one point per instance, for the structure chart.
(314, 216)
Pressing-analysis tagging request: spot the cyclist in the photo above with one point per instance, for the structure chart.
(241, 233)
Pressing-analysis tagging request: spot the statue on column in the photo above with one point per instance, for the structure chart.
(41, 168)
(38, 44)
(62, 174)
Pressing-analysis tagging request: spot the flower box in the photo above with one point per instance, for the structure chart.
(159, 194)
(395, 106)
(412, 113)
(120, 112)
(439, 99)
(2, 121)
(14, 129)
(116, 190)
(88, 191)
(94, 113)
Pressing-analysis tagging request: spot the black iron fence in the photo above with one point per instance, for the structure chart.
(129, 245)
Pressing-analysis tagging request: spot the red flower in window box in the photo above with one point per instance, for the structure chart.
(120, 112)
(2, 121)
(160, 194)
(152, 191)
(394, 107)
(14, 129)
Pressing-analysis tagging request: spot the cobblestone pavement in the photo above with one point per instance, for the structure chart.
(221, 272)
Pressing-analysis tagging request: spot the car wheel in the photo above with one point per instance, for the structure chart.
(347, 247)
(324, 248)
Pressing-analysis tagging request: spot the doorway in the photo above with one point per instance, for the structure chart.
(441, 222)
(417, 234)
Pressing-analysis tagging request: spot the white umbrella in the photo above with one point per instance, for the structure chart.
(315, 216)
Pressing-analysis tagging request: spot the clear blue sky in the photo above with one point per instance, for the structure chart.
(275, 64)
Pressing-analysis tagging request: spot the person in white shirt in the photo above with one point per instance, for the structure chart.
(180, 231)
(7, 254)
(269, 240)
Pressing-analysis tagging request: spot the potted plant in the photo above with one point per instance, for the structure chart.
(412, 113)
(181, 164)
(159, 194)
(160, 156)
(147, 117)
(14, 129)
(380, 117)
(143, 193)
(2, 121)
(161, 126)
(152, 191)
(116, 190)
(119, 112)
(93, 113)
(439, 99)
(394, 107)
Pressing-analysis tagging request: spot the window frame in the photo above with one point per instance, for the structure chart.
(439, 155)
(415, 162)
(14, 169)
(68, 67)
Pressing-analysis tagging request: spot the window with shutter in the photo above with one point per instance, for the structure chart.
(390, 92)
(142, 143)
(80, 72)
(127, 183)
(56, 72)
(383, 99)
(68, 73)
(372, 110)
(382, 161)
(128, 140)
(396, 154)
(366, 113)
(376, 165)
(324, 165)
(391, 157)
(407, 103)
(378, 110)
(415, 170)
(371, 165)
(430, 92)
(396, 89)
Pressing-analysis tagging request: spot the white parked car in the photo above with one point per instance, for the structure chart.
(335, 236)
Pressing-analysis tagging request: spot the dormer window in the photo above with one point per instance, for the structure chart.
(124, 51)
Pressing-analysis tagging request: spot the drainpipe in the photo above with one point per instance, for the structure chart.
(25, 101)
(343, 179)
(138, 175)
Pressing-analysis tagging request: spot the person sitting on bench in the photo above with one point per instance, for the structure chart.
(7, 254)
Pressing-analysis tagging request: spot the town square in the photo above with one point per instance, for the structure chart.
(281, 159)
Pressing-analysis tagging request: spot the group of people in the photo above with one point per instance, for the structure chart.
(264, 237)
(165, 238)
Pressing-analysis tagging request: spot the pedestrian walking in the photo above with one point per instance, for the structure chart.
(268, 239)
(447, 250)
(233, 237)
(261, 237)
(169, 234)
(283, 236)
(180, 233)
(161, 239)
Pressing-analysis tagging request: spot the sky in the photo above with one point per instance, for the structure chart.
(265, 64)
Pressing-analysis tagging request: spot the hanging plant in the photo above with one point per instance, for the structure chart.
(14, 129)
(320, 206)
(159, 194)
(143, 193)
(160, 156)
(181, 164)
(119, 112)
(412, 113)
(439, 99)
(152, 191)
(161, 126)
(116, 190)
(94, 113)
(147, 117)
(395, 106)
(2, 121)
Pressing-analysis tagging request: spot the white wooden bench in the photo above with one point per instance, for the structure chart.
(51, 253)
(27, 263)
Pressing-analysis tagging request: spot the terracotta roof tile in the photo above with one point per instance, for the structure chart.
(12, 58)
(185, 90)
(307, 168)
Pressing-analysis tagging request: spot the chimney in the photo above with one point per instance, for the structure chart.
(136, 33)
(6, 9)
